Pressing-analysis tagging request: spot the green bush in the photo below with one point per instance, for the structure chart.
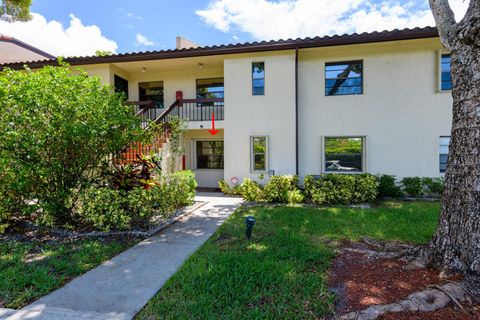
(366, 188)
(116, 209)
(341, 188)
(57, 126)
(387, 187)
(251, 190)
(295, 196)
(229, 190)
(412, 186)
(433, 186)
(276, 189)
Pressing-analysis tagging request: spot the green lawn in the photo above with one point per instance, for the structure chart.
(281, 272)
(31, 270)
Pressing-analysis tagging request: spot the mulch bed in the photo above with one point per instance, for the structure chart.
(360, 281)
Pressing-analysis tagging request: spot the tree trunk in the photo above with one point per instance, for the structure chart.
(455, 247)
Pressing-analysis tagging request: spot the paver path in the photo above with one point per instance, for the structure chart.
(119, 288)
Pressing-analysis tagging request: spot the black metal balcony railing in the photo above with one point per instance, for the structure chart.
(199, 109)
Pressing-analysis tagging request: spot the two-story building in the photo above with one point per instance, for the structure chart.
(374, 102)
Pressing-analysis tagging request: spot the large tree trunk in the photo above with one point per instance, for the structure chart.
(455, 246)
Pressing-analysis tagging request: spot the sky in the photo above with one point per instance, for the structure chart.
(80, 27)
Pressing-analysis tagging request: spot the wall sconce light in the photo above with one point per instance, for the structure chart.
(144, 69)
(200, 66)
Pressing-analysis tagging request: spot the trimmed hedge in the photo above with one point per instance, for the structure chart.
(341, 188)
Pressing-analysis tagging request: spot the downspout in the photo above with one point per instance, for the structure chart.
(296, 111)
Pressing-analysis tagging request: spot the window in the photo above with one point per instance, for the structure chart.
(445, 74)
(344, 154)
(120, 85)
(209, 89)
(151, 91)
(209, 154)
(258, 78)
(259, 153)
(444, 143)
(343, 78)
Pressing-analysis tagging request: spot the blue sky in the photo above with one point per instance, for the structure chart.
(159, 20)
(80, 27)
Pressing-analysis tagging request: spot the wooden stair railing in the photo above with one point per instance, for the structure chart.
(147, 112)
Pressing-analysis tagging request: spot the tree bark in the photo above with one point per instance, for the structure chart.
(455, 246)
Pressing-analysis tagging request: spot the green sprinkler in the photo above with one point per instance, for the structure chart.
(250, 222)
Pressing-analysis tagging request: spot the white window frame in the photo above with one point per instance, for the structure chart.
(267, 157)
(438, 83)
(364, 154)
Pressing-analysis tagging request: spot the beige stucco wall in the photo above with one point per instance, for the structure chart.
(100, 70)
(271, 115)
(401, 113)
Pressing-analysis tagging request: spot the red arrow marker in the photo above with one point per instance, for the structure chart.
(213, 131)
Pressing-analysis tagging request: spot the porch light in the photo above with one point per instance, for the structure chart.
(144, 69)
(200, 66)
(250, 222)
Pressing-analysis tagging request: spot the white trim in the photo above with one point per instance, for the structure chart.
(267, 157)
(364, 154)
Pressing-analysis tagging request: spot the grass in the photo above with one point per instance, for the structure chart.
(29, 270)
(281, 272)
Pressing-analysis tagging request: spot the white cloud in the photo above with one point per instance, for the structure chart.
(51, 36)
(268, 19)
(141, 40)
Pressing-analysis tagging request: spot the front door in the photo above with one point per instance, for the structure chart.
(208, 162)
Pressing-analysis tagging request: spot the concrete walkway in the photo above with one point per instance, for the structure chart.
(119, 288)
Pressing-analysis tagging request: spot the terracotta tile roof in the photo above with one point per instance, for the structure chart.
(301, 43)
(5, 38)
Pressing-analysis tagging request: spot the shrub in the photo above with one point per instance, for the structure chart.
(433, 186)
(116, 209)
(366, 188)
(341, 188)
(387, 187)
(276, 190)
(229, 190)
(56, 126)
(251, 190)
(295, 196)
(412, 186)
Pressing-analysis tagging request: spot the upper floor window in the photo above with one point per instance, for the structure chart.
(120, 85)
(151, 91)
(446, 75)
(259, 153)
(258, 78)
(344, 154)
(444, 144)
(210, 88)
(342, 78)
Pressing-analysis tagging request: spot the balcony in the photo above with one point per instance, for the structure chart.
(187, 109)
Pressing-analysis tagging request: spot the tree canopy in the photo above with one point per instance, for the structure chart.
(15, 10)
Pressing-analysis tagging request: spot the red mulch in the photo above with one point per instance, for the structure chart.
(359, 282)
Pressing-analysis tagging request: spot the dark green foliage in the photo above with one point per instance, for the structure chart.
(138, 173)
(119, 209)
(387, 187)
(281, 273)
(341, 188)
(433, 186)
(15, 10)
(56, 127)
(412, 186)
(276, 189)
